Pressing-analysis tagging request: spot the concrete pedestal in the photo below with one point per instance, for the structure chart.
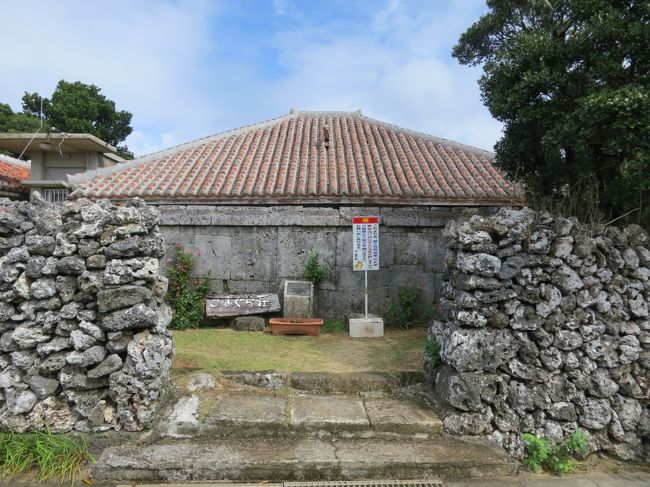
(370, 327)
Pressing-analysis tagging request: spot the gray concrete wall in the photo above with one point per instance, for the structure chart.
(254, 248)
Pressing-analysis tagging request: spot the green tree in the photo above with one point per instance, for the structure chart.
(16, 122)
(74, 108)
(570, 81)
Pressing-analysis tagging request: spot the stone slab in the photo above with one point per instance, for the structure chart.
(277, 459)
(597, 479)
(402, 416)
(353, 382)
(183, 420)
(228, 305)
(328, 411)
(249, 323)
(231, 458)
(415, 459)
(242, 409)
(212, 484)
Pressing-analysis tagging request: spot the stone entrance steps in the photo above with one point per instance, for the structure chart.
(284, 458)
(330, 382)
(347, 416)
(254, 434)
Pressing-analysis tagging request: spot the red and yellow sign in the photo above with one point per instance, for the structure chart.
(365, 243)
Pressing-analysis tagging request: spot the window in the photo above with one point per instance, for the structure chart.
(56, 195)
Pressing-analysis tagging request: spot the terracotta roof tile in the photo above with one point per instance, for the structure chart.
(12, 171)
(309, 157)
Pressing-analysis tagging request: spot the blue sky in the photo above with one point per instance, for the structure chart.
(191, 68)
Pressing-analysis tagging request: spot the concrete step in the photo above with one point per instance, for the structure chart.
(283, 458)
(346, 416)
(329, 382)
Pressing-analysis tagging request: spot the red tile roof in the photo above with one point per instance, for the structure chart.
(308, 157)
(12, 171)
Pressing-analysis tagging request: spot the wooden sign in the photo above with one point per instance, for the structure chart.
(224, 306)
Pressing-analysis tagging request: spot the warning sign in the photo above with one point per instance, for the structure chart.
(365, 243)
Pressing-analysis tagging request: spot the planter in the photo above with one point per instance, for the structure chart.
(296, 326)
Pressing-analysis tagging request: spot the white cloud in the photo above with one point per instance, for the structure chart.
(183, 74)
(398, 70)
(146, 56)
(280, 7)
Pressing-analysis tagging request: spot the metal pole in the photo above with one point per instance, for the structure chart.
(366, 277)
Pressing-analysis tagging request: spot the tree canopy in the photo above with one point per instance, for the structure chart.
(570, 81)
(74, 108)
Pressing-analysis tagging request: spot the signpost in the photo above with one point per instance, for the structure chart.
(365, 247)
(365, 257)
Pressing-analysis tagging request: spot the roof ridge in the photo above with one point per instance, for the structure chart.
(360, 115)
(441, 140)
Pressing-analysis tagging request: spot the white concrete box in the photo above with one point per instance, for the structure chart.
(371, 327)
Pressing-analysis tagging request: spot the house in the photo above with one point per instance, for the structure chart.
(12, 172)
(55, 156)
(254, 201)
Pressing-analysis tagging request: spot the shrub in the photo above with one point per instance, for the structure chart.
(432, 350)
(185, 295)
(55, 456)
(313, 270)
(432, 312)
(556, 458)
(334, 326)
(403, 311)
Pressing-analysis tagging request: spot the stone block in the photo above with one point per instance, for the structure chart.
(386, 248)
(316, 216)
(320, 411)
(400, 216)
(198, 215)
(252, 286)
(295, 244)
(213, 255)
(410, 248)
(435, 216)
(240, 216)
(249, 323)
(285, 215)
(173, 214)
(344, 247)
(436, 251)
(253, 253)
(350, 289)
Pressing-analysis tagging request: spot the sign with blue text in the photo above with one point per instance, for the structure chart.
(365, 243)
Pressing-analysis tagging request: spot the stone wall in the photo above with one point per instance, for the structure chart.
(83, 338)
(546, 330)
(255, 248)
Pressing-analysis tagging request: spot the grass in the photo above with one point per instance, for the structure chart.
(214, 350)
(55, 456)
(334, 326)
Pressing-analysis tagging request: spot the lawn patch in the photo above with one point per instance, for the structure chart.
(214, 350)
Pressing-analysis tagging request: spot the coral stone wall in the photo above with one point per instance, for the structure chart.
(83, 338)
(545, 329)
